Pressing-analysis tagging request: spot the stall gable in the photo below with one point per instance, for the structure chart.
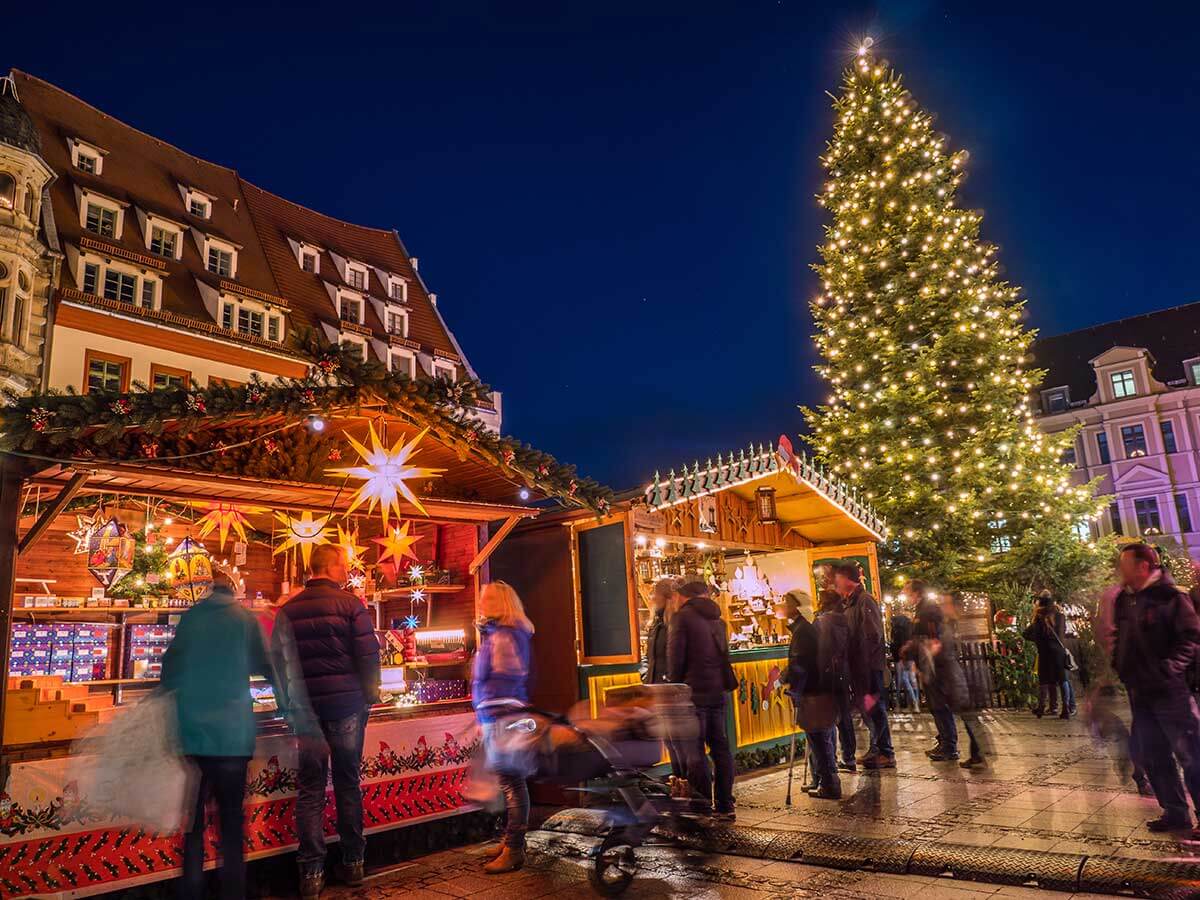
(721, 518)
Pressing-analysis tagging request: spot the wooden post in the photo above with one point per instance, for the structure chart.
(13, 472)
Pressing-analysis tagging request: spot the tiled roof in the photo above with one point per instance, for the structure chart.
(146, 173)
(16, 128)
(1171, 335)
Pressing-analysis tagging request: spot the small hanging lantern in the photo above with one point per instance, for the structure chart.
(764, 500)
(191, 571)
(110, 552)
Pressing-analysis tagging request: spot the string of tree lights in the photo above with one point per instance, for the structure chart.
(923, 345)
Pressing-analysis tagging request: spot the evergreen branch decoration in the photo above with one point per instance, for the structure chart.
(218, 428)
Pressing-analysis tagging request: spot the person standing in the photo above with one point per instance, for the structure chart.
(816, 658)
(1156, 633)
(919, 653)
(845, 740)
(1046, 633)
(901, 634)
(656, 634)
(500, 682)
(330, 635)
(218, 645)
(698, 656)
(868, 661)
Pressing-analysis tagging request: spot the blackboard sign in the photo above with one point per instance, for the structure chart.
(604, 591)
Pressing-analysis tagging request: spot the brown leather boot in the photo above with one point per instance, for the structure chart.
(510, 859)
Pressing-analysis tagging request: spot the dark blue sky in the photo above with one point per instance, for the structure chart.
(614, 200)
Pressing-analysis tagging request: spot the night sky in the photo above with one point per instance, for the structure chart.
(615, 206)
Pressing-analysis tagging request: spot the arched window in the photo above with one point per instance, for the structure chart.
(8, 191)
(29, 200)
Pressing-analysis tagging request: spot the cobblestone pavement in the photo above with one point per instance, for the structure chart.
(1050, 788)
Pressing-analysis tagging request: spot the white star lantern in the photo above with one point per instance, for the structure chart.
(385, 473)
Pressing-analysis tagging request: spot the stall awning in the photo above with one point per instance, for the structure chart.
(808, 500)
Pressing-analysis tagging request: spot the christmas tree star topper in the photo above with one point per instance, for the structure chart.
(385, 474)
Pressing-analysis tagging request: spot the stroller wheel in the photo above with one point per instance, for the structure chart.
(615, 865)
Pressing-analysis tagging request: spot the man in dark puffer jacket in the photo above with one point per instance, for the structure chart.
(329, 635)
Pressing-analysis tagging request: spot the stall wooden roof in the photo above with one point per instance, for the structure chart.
(808, 501)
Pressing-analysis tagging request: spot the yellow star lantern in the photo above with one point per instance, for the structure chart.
(385, 474)
(304, 532)
(396, 545)
(222, 519)
(348, 541)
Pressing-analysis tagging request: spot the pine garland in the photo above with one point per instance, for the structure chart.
(161, 424)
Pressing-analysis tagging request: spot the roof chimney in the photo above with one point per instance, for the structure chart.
(416, 263)
(433, 298)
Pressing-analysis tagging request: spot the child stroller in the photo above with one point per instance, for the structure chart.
(611, 754)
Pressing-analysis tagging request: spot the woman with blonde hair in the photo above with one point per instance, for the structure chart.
(500, 682)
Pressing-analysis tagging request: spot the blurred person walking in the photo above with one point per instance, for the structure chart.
(1046, 632)
(962, 699)
(500, 682)
(1155, 633)
(217, 647)
(867, 663)
(698, 656)
(656, 652)
(330, 689)
(901, 634)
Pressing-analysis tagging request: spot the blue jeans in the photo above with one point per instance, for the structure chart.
(224, 779)
(343, 753)
(1068, 693)
(713, 733)
(824, 757)
(908, 684)
(845, 731)
(876, 718)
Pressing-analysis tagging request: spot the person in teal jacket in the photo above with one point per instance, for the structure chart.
(218, 645)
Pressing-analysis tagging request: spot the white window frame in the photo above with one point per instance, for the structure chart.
(212, 243)
(354, 297)
(316, 259)
(395, 281)
(87, 198)
(1120, 373)
(152, 222)
(445, 367)
(83, 148)
(366, 274)
(410, 358)
(387, 321)
(237, 305)
(103, 265)
(190, 194)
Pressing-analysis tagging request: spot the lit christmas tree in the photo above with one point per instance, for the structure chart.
(923, 346)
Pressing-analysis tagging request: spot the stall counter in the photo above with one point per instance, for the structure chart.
(415, 767)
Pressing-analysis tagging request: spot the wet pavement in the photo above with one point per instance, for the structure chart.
(1050, 788)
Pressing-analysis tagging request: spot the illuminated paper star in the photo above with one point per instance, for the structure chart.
(412, 622)
(417, 596)
(86, 526)
(348, 541)
(416, 574)
(357, 581)
(385, 474)
(304, 532)
(396, 545)
(222, 519)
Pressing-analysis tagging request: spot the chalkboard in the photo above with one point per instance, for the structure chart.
(604, 591)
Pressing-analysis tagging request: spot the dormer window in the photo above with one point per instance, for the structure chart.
(1055, 400)
(86, 157)
(251, 319)
(355, 346)
(120, 282)
(350, 309)
(163, 242)
(444, 370)
(356, 276)
(397, 290)
(1123, 384)
(197, 203)
(308, 261)
(220, 257)
(397, 322)
(402, 362)
(100, 215)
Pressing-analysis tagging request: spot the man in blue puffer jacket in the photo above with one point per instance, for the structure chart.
(327, 634)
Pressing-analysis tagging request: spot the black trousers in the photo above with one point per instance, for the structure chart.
(224, 779)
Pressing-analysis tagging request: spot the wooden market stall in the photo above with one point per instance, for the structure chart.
(754, 524)
(99, 557)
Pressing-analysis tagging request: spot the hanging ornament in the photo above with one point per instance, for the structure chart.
(304, 532)
(385, 474)
(412, 622)
(508, 456)
(348, 541)
(396, 545)
(191, 571)
(416, 574)
(417, 596)
(223, 518)
(327, 364)
(110, 552)
(255, 394)
(85, 527)
(121, 407)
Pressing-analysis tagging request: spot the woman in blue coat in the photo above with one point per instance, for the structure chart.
(500, 682)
